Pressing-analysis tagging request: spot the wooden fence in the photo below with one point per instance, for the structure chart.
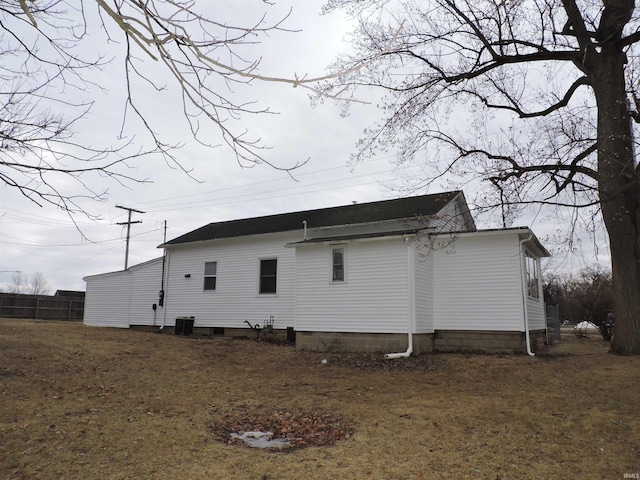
(42, 307)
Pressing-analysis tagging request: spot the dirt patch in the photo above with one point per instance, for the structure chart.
(376, 361)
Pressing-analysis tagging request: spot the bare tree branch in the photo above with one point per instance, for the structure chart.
(201, 59)
(513, 106)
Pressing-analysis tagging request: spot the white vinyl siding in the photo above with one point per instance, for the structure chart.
(146, 283)
(238, 268)
(477, 283)
(453, 217)
(121, 299)
(375, 298)
(536, 314)
(107, 300)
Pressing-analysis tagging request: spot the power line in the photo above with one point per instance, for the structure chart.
(82, 244)
(253, 198)
(82, 261)
(253, 184)
(221, 200)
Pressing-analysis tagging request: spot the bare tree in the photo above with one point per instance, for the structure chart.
(535, 98)
(18, 283)
(587, 296)
(48, 76)
(39, 285)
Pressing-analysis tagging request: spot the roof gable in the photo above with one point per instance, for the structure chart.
(360, 213)
(131, 268)
(69, 293)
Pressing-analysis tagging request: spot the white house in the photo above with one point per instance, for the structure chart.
(399, 276)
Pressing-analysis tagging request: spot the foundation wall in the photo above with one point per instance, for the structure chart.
(276, 334)
(486, 341)
(440, 341)
(361, 342)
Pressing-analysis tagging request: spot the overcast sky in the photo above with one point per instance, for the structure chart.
(34, 239)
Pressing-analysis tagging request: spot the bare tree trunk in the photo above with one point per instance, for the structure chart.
(619, 190)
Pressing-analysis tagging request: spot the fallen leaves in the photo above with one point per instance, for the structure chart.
(301, 429)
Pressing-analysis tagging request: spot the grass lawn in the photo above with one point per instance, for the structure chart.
(92, 403)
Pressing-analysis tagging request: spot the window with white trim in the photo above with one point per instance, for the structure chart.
(337, 264)
(210, 275)
(532, 269)
(268, 276)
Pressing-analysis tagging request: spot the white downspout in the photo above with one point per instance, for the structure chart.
(524, 296)
(411, 288)
(166, 290)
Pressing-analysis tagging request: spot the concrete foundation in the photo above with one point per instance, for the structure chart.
(361, 342)
(276, 334)
(439, 341)
(486, 341)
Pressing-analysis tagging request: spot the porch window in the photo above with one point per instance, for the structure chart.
(338, 265)
(532, 266)
(210, 273)
(268, 275)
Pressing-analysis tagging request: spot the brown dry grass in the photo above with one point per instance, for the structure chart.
(89, 403)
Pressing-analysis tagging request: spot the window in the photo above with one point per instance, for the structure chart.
(338, 265)
(532, 272)
(210, 271)
(268, 270)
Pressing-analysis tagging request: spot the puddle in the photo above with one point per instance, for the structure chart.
(262, 440)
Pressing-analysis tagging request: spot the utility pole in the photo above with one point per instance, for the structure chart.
(128, 224)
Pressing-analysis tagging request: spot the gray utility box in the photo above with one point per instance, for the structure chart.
(184, 325)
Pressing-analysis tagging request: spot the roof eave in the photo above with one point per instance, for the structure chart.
(355, 238)
(522, 231)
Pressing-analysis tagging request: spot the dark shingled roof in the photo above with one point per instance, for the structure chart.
(423, 205)
(69, 293)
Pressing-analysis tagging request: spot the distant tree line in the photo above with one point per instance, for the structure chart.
(37, 284)
(585, 296)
